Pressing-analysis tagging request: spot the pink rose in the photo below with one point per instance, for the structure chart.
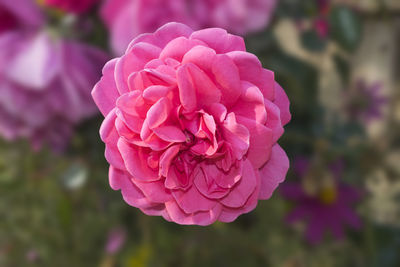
(191, 125)
(127, 18)
(72, 6)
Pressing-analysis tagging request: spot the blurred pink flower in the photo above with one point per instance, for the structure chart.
(127, 18)
(324, 207)
(44, 82)
(236, 16)
(115, 241)
(321, 26)
(72, 6)
(186, 127)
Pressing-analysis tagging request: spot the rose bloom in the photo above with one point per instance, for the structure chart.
(322, 200)
(44, 80)
(72, 6)
(191, 125)
(125, 19)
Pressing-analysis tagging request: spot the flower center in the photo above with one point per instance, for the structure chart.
(190, 138)
(328, 195)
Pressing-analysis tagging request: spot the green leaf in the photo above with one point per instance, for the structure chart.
(311, 41)
(346, 27)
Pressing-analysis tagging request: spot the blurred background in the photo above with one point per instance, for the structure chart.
(339, 62)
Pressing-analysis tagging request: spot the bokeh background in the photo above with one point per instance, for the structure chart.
(339, 62)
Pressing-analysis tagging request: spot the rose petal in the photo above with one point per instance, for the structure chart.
(273, 172)
(260, 141)
(274, 120)
(230, 214)
(178, 47)
(108, 133)
(138, 56)
(105, 92)
(243, 189)
(201, 56)
(192, 201)
(282, 101)
(166, 159)
(237, 135)
(219, 40)
(200, 218)
(154, 191)
(130, 192)
(196, 90)
(227, 76)
(251, 70)
(251, 104)
(134, 158)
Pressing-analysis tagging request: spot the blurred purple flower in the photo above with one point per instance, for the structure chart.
(45, 81)
(16, 14)
(365, 102)
(126, 19)
(325, 204)
(116, 239)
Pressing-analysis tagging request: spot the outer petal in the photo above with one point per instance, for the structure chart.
(135, 60)
(178, 47)
(105, 92)
(134, 158)
(163, 35)
(113, 156)
(251, 70)
(192, 201)
(282, 101)
(200, 218)
(201, 56)
(273, 172)
(260, 141)
(108, 132)
(226, 75)
(243, 189)
(154, 191)
(131, 193)
(251, 104)
(219, 40)
(171, 31)
(230, 214)
(274, 120)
